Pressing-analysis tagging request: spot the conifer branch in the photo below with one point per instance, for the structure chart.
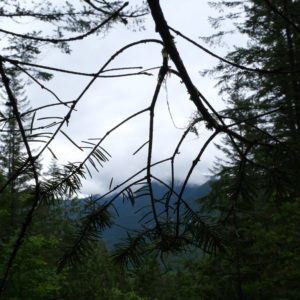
(71, 39)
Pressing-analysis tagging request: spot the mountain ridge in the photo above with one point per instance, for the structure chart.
(129, 215)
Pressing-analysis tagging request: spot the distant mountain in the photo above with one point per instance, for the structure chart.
(126, 215)
(129, 215)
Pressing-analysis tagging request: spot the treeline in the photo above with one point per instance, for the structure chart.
(34, 273)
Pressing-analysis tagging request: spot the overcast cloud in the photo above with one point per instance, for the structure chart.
(109, 101)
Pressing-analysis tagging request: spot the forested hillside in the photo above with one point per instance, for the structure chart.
(148, 238)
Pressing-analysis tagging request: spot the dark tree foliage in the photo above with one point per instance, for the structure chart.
(12, 155)
(257, 194)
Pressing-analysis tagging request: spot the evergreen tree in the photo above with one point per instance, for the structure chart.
(273, 45)
(257, 194)
(12, 154)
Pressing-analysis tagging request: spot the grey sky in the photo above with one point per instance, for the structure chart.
(109, 101)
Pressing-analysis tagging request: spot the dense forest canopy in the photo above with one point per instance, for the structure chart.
(241, 241)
